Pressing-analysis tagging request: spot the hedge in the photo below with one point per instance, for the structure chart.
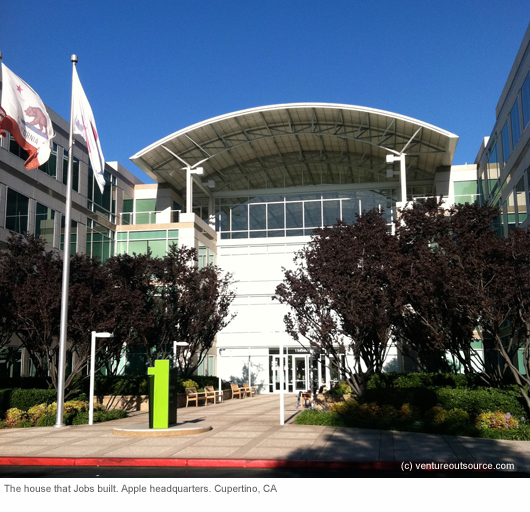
(473, 401)
(419, 380)
(24, 399)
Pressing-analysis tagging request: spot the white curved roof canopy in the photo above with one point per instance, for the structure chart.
(298, 144)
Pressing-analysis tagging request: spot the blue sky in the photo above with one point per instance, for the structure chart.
(152, 68)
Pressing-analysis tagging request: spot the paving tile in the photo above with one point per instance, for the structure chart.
(205, 452)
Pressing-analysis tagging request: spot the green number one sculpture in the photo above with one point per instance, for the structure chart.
(159, 394)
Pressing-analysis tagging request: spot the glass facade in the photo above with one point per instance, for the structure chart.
(45, 223)
(465, 192)
(75, 171)
(73, 235)
(17, 212)
(296, 214)
(99, 241)
(50, 167)
(525, 97)
(103, 204)
(139, 242)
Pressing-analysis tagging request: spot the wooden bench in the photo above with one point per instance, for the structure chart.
(193, 396)
(250, 390)
(237, 391)
(210, 393)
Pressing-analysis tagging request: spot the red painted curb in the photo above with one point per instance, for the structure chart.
(201, 463)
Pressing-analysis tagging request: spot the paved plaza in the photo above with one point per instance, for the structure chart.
(249, 430)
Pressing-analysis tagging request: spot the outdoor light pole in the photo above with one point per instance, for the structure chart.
(402, 173)
(93, 369)
(177, 344)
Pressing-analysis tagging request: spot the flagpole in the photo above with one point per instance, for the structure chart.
(66, 266)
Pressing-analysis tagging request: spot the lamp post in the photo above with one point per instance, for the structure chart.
(402, 173)
(92, 371)
(177, 344)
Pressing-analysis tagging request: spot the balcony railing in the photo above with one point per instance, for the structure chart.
(159, 217)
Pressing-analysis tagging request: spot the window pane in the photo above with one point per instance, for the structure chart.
(520, 191)
(313, 214)
(515, 123)
(332, 212)
(505, 136)
(525, 95)
(293, 213)
(45, 223)
(240, 217)
(257, 216)
(275, 216)
(17, 212)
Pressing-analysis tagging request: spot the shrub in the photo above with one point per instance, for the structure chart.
(13, 416)
(24, 424)
(24, 399)
(189, 384)
(48, 420)
(438, 416)
(3, 424)
(496, 420)
(341, 389)
(476, 401)
(75, 406)
(36, 412)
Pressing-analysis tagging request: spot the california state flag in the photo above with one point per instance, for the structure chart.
(23, 115)
(85, 126)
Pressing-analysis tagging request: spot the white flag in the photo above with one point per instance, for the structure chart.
(85, 126)
(24, 116)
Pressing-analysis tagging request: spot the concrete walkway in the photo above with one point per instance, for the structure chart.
(249, 430)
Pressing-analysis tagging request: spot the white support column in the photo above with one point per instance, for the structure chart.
(403, 178)
(282, 387)
(189, 191)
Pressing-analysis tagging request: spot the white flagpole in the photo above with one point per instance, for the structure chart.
(66, 266)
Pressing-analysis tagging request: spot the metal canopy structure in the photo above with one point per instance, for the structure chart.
(299, 144)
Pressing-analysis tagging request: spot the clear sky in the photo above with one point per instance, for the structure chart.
(152, 68)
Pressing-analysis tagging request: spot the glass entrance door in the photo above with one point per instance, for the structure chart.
(300, 373)
(275, 373)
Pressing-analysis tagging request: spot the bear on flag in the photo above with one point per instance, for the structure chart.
(24, 116)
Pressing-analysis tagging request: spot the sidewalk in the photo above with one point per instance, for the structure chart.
(248, 433)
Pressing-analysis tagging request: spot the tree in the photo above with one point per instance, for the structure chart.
(36, 284)
(433, 288)
(169, 299)
(341, 298)
(196, 305)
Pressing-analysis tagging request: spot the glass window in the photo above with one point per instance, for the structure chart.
(99, 241)
(75, 172)
(275, 216)
(525, 96)
(521, 198)
(257, 216)
(202, 256)
(73, 235)
(465, 192)
(17, 212)
(493, 170)
(505, 138)
(127, 210)
(16, 149)
(515, 123)
(313, 214)
(240, 217)
(45, 223)
(331, 212)
(50, 167)
(294, 215)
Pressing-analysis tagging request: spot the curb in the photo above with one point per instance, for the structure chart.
(206, 463)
